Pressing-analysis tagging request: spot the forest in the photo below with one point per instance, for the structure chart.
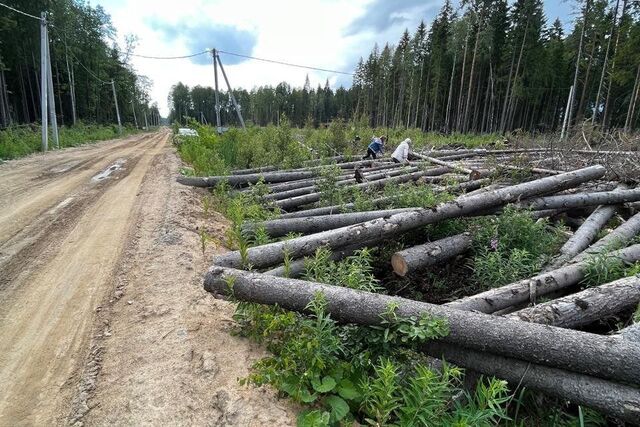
(85, 57)
(487, 66)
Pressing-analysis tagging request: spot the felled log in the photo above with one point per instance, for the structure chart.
(580, 200)
(632, 332)
(585, 307)
(292, 185)
(532, 170)
(254, 170)
(601, 356)
(340, 183)
(611, 398)
(584, 235)
(273, 253)
(617, 238)
(314, 224)
(314, 197)
(432, 253)
(238, 180)
(449, 165)
(254, 178)
(529, 289)
(326, 160)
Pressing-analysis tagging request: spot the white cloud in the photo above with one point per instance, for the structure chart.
(310, 32)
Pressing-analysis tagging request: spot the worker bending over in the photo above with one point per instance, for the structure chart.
(376, 147)
(402, 152)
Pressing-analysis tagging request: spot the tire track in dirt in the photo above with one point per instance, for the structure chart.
(35, 194)
(44, 330)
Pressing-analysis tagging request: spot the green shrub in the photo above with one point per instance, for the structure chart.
(20, 141)
(510, 247)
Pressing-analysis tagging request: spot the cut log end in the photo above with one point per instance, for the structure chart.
(400, 266)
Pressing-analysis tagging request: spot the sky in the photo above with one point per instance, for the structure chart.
(330, 34)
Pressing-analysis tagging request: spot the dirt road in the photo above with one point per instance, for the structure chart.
(103, 319)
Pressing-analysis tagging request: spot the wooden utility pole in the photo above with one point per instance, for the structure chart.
(115, 101)
(214, 54)
(51, 100)
(233, 98)
(43, 81)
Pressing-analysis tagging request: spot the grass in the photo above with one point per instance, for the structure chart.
(289, 147)
(16, 142)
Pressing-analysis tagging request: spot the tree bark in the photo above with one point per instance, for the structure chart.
(617, 238)
(631, 333)
(580, 200)
(314, 197)
(432, 253)
(281, 195)
(529, 289)
(273, 253)
(451, 166)
(254, 170)
(617, 400)
(585, 234)
(584, 308)
(601, 356)
(335, 209)
(238, 180)
(253, 178)
(315, 224)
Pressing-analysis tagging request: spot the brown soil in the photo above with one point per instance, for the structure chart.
(103, 319)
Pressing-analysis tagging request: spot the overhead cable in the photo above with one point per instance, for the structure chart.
(286, 63)
(20, 12)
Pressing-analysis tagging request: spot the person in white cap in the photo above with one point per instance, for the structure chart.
(401, 154)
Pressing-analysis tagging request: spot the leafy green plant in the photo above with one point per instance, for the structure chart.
(494, 268)
(510, 247)
(603, 268)
(353, 272)
(381, 393)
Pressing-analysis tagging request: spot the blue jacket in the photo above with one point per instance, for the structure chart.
(376, 145)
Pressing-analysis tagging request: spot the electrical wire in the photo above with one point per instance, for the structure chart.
(286, 63)
(20, 12)
(272, 61)
(171, 57)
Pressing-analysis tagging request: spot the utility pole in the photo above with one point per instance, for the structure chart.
(214, 54)
(115, 101)
(51, 98)
(43, 81)
(233, 98)
(133, 106)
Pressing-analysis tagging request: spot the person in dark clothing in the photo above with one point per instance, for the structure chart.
(375, 147)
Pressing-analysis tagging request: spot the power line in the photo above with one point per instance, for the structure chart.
(20, 12)
(272, 61)
(286, 63)
(171, 57)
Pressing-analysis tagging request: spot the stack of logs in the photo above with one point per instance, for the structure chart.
(501, 332)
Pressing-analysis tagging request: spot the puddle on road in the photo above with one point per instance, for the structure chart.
(108, 171)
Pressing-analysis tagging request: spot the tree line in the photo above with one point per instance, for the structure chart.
(84, 56)
(487, 66)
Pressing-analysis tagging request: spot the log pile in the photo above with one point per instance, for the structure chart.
(501, 332)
